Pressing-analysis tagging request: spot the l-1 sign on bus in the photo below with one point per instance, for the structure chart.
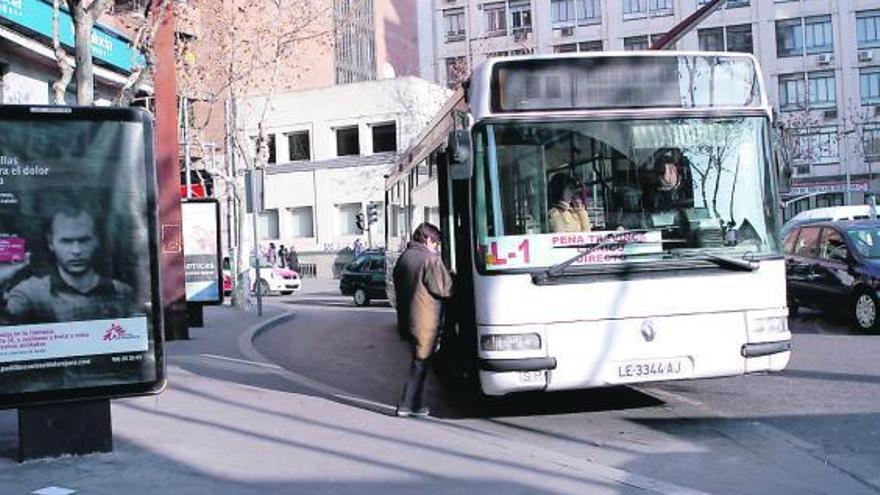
(201, 251)
(80, 314)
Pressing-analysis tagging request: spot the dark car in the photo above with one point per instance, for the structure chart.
(835, 267)
(364, 278)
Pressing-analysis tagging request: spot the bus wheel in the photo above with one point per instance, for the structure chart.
(361, 298)
(864, 311)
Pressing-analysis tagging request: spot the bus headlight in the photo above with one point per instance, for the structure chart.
(767, 324)
(510, 342)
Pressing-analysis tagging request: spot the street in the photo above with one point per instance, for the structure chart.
(814, 428)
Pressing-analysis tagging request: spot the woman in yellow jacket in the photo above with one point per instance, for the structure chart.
(567, 213)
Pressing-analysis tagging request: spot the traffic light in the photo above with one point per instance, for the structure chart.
(359, 221)
(373, 213)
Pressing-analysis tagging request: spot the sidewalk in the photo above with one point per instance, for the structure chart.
(231, 423)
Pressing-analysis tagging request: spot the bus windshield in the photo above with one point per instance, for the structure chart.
(622, 191)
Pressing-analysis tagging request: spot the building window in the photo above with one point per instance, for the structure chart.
(633, 9)
(456, 70)
(868, 28)
(789, 38)
(635, 43)
(347, 218)
(739, 39)
(562, 13)
(869, 86)
(659, 7)
(299, 146)
(588, 12)
(521, 16)
(871, 142)
(267, 223)
(586, 46)
(347, 142)
(384, 137)
(496, 18)
(453, 19)
(711, 40)
(822, 91)
(301, 221)
(590, 46)
(654, 38)
(791, 91)
(820, 145)
(729, 4)
(818, 35)
(355, 37)
(270, 147)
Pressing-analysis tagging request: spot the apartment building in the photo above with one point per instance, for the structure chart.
(821, 63)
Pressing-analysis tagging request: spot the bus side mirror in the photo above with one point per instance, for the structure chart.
(459, 155)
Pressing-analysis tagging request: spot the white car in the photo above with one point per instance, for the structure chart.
(272, 279)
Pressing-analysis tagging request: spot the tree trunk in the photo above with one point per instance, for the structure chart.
(85, 77)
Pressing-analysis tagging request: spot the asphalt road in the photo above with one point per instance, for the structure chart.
(815, 428)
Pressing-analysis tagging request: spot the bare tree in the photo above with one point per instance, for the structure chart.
(250, 49)
(65, 62)
(84, 14)
(791, 138)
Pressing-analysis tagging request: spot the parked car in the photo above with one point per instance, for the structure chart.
(827, 214)
(835, 267)
(364, 278)
(273, 279)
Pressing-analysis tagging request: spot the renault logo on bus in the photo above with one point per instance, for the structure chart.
(648, 330)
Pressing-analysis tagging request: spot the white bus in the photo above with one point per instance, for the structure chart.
(678, 274)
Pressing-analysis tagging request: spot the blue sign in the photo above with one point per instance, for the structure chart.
(36, 15)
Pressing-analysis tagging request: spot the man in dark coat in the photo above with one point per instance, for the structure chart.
(421, 281)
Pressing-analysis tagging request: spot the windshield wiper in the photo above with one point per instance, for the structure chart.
(612, 239)
(728, 262)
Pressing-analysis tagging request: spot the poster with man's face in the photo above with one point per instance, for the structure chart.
(77, 255)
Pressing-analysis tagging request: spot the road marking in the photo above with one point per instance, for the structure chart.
(243, 361)
(669, 395)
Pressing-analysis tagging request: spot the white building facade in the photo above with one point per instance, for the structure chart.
(821, 62)
(330, 149)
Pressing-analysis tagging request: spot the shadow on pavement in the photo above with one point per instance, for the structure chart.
(361, 353)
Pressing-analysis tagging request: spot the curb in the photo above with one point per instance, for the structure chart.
(614, 475)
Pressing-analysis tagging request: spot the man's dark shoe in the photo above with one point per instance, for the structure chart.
(404, 412)
(421, 412)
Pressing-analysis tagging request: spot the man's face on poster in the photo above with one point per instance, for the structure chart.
(74, 242)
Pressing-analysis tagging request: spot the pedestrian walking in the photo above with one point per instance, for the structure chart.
(292, 259)
(270, 254)
(357, 247)
(281, 262)
(421, 282)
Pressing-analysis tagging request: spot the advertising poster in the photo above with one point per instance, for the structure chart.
(78, 267)
(201, 251)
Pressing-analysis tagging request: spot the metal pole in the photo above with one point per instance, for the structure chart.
(187, 163)
(254, 204)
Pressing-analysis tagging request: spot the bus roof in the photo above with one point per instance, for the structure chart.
(610, 82)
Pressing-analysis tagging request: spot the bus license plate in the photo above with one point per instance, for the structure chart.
(650, 369)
